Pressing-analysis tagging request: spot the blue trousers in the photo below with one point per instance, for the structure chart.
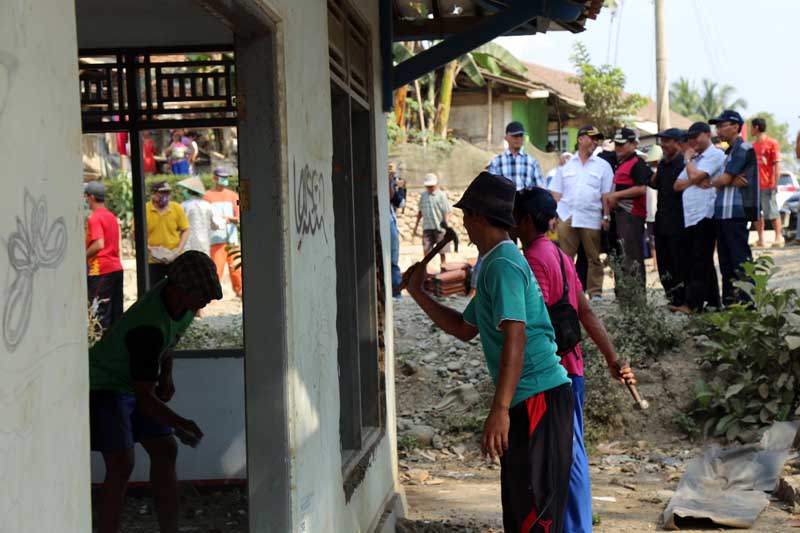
(397, 277)
(578, 518)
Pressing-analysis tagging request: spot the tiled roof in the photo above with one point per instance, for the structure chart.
(558, 81)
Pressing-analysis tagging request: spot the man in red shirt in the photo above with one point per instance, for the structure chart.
(768, 155)
(102, 256)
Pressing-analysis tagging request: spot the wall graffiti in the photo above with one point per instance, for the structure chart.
(309, 198)
(33, 245)
(8, 64)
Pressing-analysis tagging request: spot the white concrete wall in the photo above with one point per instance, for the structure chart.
(44, 422)
(210, 392)
(318, 499)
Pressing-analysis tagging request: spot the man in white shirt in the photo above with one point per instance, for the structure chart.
(580, 187)
(703, 162)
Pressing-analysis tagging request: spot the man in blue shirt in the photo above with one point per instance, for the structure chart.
(531, 420)
(737, 204)
(514, 164)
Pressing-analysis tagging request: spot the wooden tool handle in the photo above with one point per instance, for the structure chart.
(425, 260)
(642, 403)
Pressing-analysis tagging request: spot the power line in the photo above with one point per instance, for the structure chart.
(700, 18)
(619, 31)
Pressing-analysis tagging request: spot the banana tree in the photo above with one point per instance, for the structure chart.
(490, 57)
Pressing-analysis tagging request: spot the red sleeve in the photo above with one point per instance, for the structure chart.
(776, 152)
(95, 229)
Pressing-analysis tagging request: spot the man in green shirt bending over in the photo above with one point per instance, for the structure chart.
(530, 423)
(130, 379)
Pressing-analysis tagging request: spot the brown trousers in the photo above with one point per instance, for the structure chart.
(570, 239)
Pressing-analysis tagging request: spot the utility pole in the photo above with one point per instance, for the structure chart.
(662, 91)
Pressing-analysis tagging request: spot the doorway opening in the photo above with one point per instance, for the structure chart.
(160, 111)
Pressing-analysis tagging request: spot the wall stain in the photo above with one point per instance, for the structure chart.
(309, 198)
(8, 65)
(33, 245)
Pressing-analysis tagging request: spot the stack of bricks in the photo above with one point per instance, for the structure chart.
(454, 279)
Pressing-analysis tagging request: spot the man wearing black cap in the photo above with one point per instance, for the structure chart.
(531, 420)
(580, 187)
(703, 161)
(514, 164)
(628, 200)
(105, 281)
(669, 232)
(130, 381)
(737, 203)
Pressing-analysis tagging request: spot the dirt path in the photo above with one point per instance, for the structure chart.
(639, 499)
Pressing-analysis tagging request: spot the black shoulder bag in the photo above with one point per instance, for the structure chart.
(566, 324)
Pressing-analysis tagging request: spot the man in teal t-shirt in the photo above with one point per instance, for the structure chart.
(530, 423)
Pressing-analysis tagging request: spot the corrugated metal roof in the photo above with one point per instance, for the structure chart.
(436, 19)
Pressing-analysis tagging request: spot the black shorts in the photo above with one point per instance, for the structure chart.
(536, 467)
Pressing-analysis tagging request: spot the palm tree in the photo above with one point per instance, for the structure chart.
(491, 57)
(684, 99)
(716, 98)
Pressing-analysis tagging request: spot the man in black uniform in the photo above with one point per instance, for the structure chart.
(669, 231)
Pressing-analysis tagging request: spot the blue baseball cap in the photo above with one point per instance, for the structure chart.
(536, 200)
(729, 115)
(672, 133)
(515, 128)
(697, 128)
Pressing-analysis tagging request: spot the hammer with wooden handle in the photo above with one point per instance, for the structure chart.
(641, 402)
(449, 236)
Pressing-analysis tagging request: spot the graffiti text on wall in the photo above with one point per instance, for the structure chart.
(309, 198)
(34, 244)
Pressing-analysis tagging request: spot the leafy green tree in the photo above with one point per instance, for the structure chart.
(608, 106)
(777, 130)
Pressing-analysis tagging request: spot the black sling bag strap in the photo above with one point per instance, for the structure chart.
(566, 324)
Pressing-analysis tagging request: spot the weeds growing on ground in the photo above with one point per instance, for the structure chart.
(752, 351)
(641, 329)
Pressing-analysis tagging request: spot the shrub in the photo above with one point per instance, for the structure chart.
(752, 351)
(604, 398)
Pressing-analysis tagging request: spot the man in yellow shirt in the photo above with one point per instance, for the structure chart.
(167, 231)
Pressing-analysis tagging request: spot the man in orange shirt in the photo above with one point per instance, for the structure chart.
(102, 256)
(225, 241)
(768, 154)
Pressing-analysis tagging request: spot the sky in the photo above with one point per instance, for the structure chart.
(748, 45)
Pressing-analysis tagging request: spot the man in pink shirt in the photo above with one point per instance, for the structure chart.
(534, 210)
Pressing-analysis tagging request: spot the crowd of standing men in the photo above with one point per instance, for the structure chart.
(527, 303)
